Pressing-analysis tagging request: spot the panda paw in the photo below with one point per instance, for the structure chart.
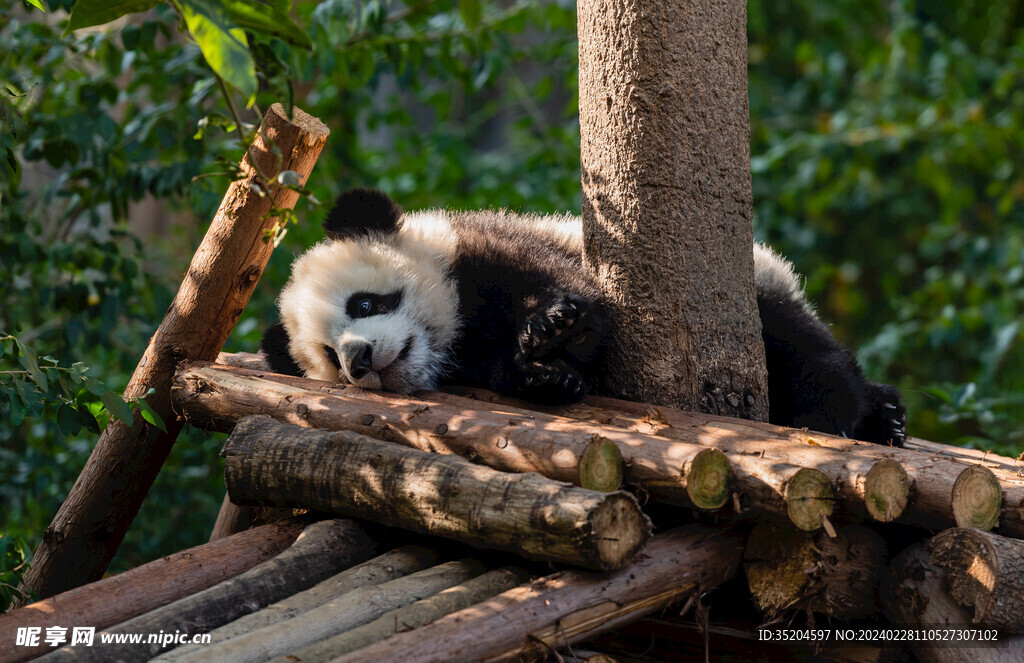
(564, 323)
(553, 383)
(885, 418)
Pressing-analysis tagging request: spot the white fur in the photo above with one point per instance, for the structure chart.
(414, 261)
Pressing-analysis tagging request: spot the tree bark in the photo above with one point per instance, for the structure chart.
(86, 532)
(528, 622)
(144, 588)
(836, 576)
(321, 550)
(984, 571)
(338, 615)
(379, 570)
(667, 202)
(412, 616)
(914, 594)
(268, 462)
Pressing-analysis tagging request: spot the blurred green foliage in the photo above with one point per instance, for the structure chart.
(888, 163)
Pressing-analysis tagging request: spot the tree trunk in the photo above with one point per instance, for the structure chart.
(914, 594)
(338, 615)
(528, 622)
(985, 571)
(667, 202)
(86, 532)
(379, 570)
(411, 616)
(119, 598)
(268, 462)
(837, 576)
(321, 550)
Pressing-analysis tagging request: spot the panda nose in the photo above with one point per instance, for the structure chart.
(360, 360)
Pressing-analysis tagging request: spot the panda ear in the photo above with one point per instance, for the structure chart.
(360, 211)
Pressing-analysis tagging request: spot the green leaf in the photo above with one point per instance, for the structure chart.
(150, 415)
(116, 406)
(27, 359)
(87, 13)
(471, 12)
(222, 42)
(68, 421)
(267, 19)
(95, 387)
(37, 4)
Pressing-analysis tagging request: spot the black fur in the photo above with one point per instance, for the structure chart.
(362, 211)
(534, 326)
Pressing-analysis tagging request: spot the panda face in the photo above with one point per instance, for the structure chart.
(378, 311)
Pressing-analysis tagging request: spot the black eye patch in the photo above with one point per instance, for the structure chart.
(332, 356)
(366, 304)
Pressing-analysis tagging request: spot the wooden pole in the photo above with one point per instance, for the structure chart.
(915, 593)
(268, 462)
(377, 571)
(86, 532)
(123, 596)
(323, 549)
(986, 571)
(412, 616)
(336, 616)
(529, 622)
(835, 575)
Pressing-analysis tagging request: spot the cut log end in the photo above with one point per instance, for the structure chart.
(809, 498)
(621, 529)
(601, 466)
(709, 479)
(886, 490)
(977, 498)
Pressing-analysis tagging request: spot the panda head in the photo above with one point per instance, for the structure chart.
(374, 305)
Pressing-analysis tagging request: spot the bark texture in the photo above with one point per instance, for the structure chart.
(984, 571)
(342, 472)
(144, 588)
(834, 575)
(86, 532)
(915, 593)
(323, 548)
(379, 570)
(528, 622)
(667, 203)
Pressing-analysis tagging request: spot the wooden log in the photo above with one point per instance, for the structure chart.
(984, 571)
(144, 588)
(268, 462)
(86, 532)
(338, 615)
(323, 549)
(509, 440)
(406, 618)
(230, 519)
(914, 594)
(837, 576)
(977, 498)
(530, 621)
(215, 397)
(381, 569)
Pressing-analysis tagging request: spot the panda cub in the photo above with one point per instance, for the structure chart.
(407, 301)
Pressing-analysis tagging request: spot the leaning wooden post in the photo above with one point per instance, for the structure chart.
(88, 528)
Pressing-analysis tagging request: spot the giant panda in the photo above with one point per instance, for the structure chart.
(407, 301)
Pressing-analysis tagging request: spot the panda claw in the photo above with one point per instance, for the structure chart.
(895, 422)
(889, 406)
